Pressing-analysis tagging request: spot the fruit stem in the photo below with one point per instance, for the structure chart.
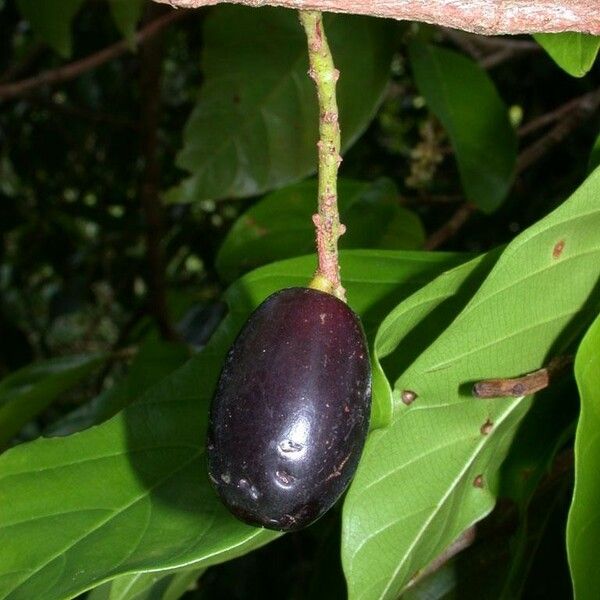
(327, 220)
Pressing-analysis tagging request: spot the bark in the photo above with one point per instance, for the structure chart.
(490, 17)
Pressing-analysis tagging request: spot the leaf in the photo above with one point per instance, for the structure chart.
(255, 125)
(434, 471)
(583, 526)
(463, 97)
(414, 324)
(132, 494)
(126, 15)
(594, 160)
(280, 225)
(52, 21)
(154, 361)
(169, 585)
(30, 390)
(573, 52)
(546, 428)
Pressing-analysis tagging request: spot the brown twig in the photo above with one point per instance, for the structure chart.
(451, 227)
(490, 51)
(580, 110)
(585, 104)
(463, 541)
(18, 69)
(501, 56)
(78, 67)
(522, 386)
(490, 17)
(151, 61)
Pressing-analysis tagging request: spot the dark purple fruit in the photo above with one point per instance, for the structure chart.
(291, 411)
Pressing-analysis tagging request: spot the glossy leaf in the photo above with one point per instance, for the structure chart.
(573, 52)
(463, 97)
(434, 471)
(169, 585)
(280, 225)
(546, 429)
(154, 361)
(583, 528)
(132, 494)
(255, 125)
(27, 392)
(52, 21)
(126, 15)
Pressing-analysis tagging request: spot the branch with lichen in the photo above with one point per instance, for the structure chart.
(327, 220)
(489, 17)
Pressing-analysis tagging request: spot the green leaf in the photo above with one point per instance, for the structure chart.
(132, 494)
(542, 433)
(415, 323)
(583, 527)
(166, 585)
(28, 391)
(126, 15)
(154, 361)
(255, 126)
(463, 97)
(52, 21)
(594, 155)
(280, 225)
(434, 471)
(573, 52)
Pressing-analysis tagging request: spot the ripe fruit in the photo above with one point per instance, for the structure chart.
(291, 411)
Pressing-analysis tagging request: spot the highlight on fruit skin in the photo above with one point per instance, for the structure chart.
(291, 411)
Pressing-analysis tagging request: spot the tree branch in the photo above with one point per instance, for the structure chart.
(490, 17)
(78, 67)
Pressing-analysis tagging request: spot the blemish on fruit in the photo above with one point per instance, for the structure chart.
(338, 471)
(250, 489)
(486, 427)
(558, 248)
(284, 478)
(290, 447)
(408, 397)
(478, 481)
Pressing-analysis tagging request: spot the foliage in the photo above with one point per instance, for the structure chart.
(582, 528)
(148, 205)
(483, 139)
(573, 52)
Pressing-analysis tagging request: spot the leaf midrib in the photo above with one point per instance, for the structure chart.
(476, 451)
(103, 522)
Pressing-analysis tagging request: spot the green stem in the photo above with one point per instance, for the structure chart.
(327, 220)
